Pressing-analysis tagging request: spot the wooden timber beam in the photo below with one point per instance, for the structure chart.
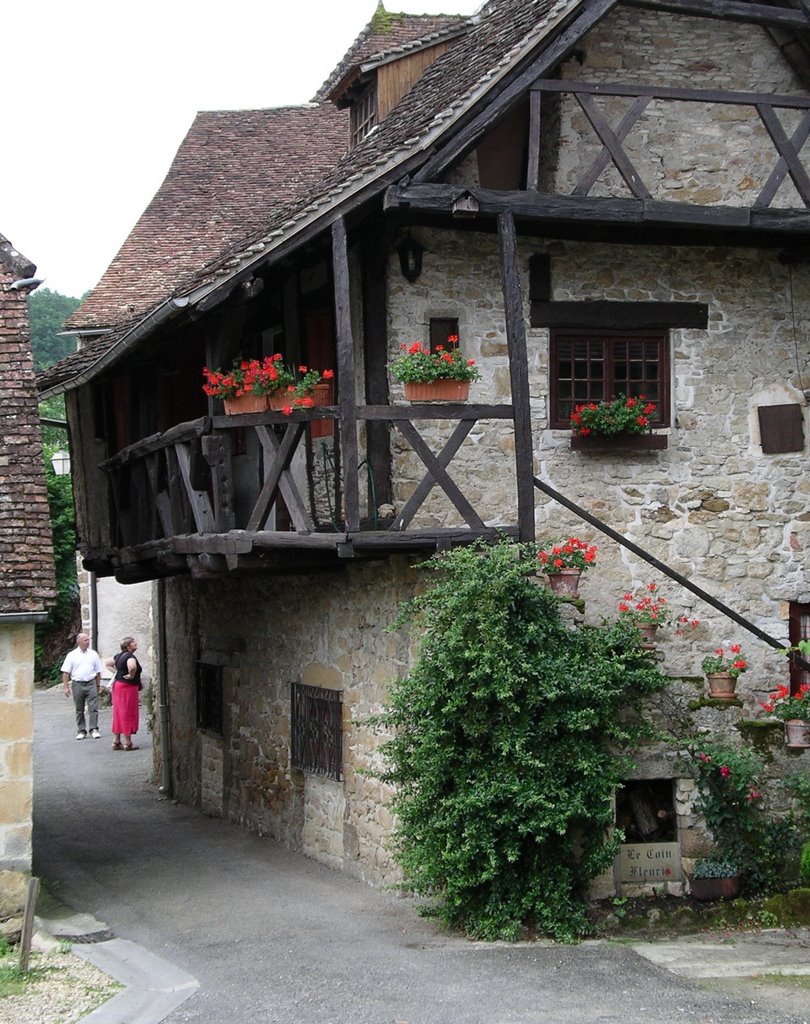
(428, 199)
(588, 14)
(518, 372)
(346, 375)
(728, 10)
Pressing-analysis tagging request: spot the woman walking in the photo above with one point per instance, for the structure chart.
(125, 694)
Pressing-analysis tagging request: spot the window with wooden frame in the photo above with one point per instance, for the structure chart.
(595, 366)
(317, 730)
(210, 705)
(443, 332)
(364, 113)
(799, 629)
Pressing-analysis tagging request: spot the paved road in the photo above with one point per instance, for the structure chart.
(275, 937)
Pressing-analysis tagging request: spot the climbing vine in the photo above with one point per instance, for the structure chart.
(506, 746)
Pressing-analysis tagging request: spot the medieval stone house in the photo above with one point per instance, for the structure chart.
(27, 582)
(596, 197)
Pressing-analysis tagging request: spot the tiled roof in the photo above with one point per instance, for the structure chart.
(387, 33)
(503, 32)
(232, 168)
(27, 581)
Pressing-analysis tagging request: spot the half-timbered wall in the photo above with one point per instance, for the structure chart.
(687, 152)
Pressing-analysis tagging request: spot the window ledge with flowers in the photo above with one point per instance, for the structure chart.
(259, 385)
(442, 375)
(619, 424)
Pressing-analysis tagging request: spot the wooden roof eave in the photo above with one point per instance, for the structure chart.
(768, 227)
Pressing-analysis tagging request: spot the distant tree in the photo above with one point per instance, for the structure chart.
(48, 311)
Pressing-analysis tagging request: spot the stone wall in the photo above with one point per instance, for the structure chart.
(328, 631)
(16, 769)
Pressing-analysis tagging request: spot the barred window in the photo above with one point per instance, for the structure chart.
(209, 698)
(596, 366)
(317, 730)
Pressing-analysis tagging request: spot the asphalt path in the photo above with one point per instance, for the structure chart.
(272, 936)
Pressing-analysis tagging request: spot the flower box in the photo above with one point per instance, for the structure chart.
(437, 391)
(618, 442)
(245, 404)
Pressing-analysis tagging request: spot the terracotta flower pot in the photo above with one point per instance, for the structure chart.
(797, 733)
(437, 391)
(648, 631)
(322, 395)
(722, 685)
(565, 582)
(245, 403)
(278, 400)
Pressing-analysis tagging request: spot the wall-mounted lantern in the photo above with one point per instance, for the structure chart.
(410, 257)
(61, 463)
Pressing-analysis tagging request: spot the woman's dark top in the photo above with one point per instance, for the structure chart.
(121, 669)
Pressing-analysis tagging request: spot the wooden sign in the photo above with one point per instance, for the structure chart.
(650, 862)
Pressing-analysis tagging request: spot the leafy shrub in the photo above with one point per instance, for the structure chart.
(504, 746)
(708, 867)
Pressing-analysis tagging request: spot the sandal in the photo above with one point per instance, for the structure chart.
(129, 746)
(117, 746)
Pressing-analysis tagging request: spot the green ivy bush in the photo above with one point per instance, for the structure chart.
(506, 746)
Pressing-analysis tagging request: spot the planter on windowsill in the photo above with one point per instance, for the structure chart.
(245, 404)
(444, 390)
(618, 443)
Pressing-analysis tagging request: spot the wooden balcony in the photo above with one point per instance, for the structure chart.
(186, 501)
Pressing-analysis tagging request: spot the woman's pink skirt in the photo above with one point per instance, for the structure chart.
(125, 708)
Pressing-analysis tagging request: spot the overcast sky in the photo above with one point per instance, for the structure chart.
(98, 96)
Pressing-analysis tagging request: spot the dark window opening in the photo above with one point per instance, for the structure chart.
(210, 714)
(317, 730)
(781, 428)
(596, 366)
(364, 114)
(443, 333)
(645, 811)
(799, 629)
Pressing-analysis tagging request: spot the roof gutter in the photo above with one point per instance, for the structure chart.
(21, 618)
(157, 318)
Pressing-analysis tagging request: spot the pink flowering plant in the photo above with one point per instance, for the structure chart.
(786, 706)
(620, 415)
(573, 553)
(416, 364)
(725, 659)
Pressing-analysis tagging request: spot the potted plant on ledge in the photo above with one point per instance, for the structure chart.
(620, 422)
(794, 711)
(729, 798)
(722, 669)
(256, 385)
(564, 564)
(443, 375)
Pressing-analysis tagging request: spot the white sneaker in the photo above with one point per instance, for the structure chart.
(81, 735)
(95, 734)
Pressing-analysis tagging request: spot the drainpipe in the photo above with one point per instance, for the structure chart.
(163, 696)
(93, 587)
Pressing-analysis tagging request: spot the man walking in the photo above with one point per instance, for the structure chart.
(81, 675)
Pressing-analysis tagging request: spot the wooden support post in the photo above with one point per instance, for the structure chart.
(28, 922)
(533, 167)
(519, 374)
(346, 376)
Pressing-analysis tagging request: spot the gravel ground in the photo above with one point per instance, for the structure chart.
(62, 988)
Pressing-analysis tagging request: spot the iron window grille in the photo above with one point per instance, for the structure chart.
(596, 366)
(210, 714)
(317, 730)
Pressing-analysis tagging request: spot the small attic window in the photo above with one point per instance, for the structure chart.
(364, 113)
